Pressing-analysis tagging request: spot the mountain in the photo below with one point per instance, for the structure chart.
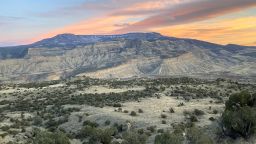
(124, 56)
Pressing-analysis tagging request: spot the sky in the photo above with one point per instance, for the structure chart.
(217, 21)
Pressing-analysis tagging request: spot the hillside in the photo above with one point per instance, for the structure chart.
(124, 56)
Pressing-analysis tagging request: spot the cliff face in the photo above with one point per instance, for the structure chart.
(124, 56)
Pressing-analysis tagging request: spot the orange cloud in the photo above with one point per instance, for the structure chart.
(147, 7)
(190, 12)
(239, 31)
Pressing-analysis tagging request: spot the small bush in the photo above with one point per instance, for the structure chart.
(3, 135)
(126, 111)
(198, 112)
(107, 122)
(163, 116)
(215, 111)
(103, 136)
(134, 138)
(5, 128)
(140, 111)
(193, 118)
(197, 136)
(86, 132)
(13, 132)
(44, 137)
(119, 109)
(140, 131)
(171, 110)
(37, 121)
(193, 136)
(212, 119)
(169, 138)
(117, 105)
(119, 127)
(181, 104)
(133, 113)
(152, 129)
(89, 123)
(97, 135)
(164, 122)
(160, 131)
(185, 112)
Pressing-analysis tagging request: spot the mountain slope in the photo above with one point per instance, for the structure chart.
(123, 56)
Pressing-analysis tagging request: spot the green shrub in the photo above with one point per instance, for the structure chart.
(193, 118)
(160, 131)
(211, 118)
(86, 131)
(103, 136)
(126, 111)
(37, 121)
(13, 132)
(163, 116)
(3, 135)
(198, 112)
(133, 113)
(89, 123)
(140, 131)
(5, 128)
(107, 122)
(171, 110)
(44, 137)
(170, 138)
(215, 111)
(164, 122)
(97, 135)
(181, 104)
(239, 117)
(197, 136)
(193, 136)
(152, 129)
(119, 127)
(241, 99)
(117, 105)
(132, 137)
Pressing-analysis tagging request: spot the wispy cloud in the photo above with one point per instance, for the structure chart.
(8, 20)
(122, 25)
(105, 6)
(190, 12)
(112, 7)
(148, 7)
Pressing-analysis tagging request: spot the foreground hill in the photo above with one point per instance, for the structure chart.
(124, 56)
(138, 111)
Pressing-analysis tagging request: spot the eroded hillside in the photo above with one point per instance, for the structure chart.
(126, 56)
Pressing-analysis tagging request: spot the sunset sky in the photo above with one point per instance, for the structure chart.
(218, 21)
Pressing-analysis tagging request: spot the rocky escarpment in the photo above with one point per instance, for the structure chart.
(124, 56)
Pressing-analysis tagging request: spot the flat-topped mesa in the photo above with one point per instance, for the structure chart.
(72, 40)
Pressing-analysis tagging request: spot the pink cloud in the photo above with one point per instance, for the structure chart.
(189, 12)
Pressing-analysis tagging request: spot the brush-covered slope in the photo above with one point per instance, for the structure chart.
(123, 56)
